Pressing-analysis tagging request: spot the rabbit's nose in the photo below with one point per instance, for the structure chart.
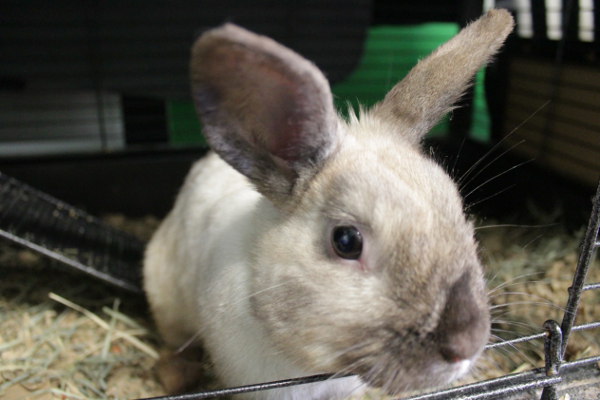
(463, 328)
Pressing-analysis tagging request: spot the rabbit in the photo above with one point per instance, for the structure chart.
(308, 243)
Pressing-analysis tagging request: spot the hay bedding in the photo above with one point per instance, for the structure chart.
(530, 271)
(64, 336)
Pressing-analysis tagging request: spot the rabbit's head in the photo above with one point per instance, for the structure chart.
(368, 264)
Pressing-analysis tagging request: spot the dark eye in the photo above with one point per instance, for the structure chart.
(347, 242)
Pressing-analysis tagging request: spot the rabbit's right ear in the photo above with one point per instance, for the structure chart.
(266, 110)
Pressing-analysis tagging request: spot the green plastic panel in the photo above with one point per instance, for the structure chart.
(183, 123)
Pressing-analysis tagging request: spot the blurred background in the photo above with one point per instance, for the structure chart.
(95, 106)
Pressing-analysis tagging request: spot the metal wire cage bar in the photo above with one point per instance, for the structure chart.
(558, 337)
(587, 251)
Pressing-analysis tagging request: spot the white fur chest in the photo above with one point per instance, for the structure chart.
(201, 289)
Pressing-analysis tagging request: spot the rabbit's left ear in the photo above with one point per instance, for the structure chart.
(432, 87)
(266, 110)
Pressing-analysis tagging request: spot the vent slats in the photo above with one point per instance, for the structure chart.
(565, 134)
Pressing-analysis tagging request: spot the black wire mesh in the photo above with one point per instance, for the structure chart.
(67, 234)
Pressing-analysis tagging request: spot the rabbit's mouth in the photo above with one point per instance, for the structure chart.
(405, 363)
(395, 378)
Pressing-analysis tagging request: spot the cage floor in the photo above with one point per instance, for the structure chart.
(50, 349)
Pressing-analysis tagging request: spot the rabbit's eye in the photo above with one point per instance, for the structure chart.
(347, 242)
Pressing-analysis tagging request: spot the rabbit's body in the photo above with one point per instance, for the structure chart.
(220, 216)
(195, 232)
(336, 246)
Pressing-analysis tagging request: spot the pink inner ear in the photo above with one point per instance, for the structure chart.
(266, 96)
(284, 129)
(280, 116)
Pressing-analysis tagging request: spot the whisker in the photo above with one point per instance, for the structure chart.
(390, 382)
(464, 184)
(532, 295)
(528, 326)
(511, 332)
(508, 344)
(512, 346)
(495, 226)
(496, 314)
(491, 279)
(504, 289)
(501, 312)
(346, 371)
(358, 387)
(263, 291)
(495, 146)
(516, 330)
(496, 339)
(513, 356)
(492, 336)
(493, 178)
(340, 353)
(481, 369)
(188, 342)
(458, 153)
(473, 204)
(530, 303)
(535, 239)
(512, 281)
